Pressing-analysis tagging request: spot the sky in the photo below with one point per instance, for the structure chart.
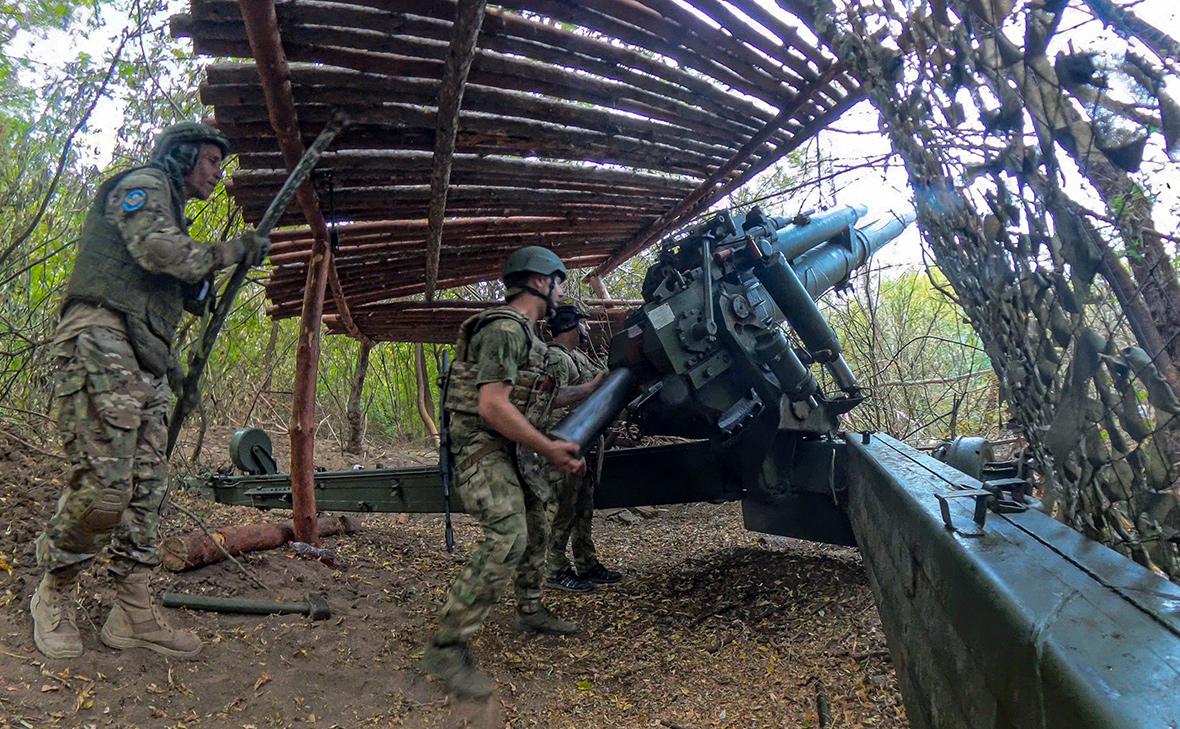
(853, 137)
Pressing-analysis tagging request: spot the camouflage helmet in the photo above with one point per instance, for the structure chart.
(569, 312)
(532, 259)
(188, 132)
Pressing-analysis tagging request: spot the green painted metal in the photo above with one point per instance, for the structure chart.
(1022, 622)
(251, 451)
(674, 474)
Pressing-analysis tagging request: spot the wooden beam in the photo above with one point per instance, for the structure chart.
(465, 30)
(598, 286)
(262, 28)
(709, 188)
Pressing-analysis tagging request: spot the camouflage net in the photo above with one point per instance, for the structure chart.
(1081, 349)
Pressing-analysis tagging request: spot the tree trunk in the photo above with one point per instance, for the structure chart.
(425, 401)
(356, 417)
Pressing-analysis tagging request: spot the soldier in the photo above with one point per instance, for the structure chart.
(575, 492)
(498, 391)
(136, 270)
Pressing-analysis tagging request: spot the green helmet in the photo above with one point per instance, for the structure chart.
(569, 312)
(532, 259)
(188, 132)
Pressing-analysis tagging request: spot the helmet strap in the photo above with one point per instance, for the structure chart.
(550, 308)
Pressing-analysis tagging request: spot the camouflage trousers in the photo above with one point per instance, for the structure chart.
(575, 515)
(112, 418)
(514, 514)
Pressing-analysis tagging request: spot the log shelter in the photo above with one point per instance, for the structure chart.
(594, 127)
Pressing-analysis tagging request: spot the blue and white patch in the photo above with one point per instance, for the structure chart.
(134, 200)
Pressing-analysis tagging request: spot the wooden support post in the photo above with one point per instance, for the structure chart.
(468, 19)
(356, 396)
(597, 286)
(424, 401)
(713, 187)
(262, 28)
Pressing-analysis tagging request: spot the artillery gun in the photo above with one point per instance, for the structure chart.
(710, 353)
(996, 614)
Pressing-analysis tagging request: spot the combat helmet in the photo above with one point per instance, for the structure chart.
(569, 312)
(188, 132)
(532, 259)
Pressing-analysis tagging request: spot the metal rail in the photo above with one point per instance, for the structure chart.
(1020, 622)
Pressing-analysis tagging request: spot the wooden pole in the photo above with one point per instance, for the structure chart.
(262, 28)
(468, 18)
(424, 401)
(356, 419)
(597, 286)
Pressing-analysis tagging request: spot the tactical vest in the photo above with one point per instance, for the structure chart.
(588, 369)
(105, 274)
(532, 393)
(557, 413)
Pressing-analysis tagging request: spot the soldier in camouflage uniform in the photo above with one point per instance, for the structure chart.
(136, 269)
(575, 492)
(498, 391)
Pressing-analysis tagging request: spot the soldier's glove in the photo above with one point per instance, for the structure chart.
(175, 379)
(257, 247)
(249, 248)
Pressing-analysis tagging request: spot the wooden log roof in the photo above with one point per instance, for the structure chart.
(437, 321)
(592, 127)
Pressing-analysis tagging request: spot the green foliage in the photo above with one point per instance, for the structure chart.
(922, 363)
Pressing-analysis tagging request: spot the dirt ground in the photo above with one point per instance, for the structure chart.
(713, 626)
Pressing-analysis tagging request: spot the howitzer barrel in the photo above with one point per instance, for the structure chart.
(795, 289)
(826, 265)
(583, 424)
(794, 240)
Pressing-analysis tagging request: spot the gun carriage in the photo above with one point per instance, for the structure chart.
(996, 614)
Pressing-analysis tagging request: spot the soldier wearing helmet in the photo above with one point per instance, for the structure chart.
(575, 492)
(497, 393)
(136, 270)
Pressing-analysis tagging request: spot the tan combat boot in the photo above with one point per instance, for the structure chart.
(135, 621)
(453, 664)
(544, 622)
(54, 629)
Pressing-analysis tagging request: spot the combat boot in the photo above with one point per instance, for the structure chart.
(569, 581)
(55, 631)
(135, 621)
(453, 664)
(543, 622)
(599, 574)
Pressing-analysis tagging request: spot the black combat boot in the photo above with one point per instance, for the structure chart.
(453, 664)
(569, 581)
(600, 575)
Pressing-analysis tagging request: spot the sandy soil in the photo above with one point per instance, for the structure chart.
(713, 626)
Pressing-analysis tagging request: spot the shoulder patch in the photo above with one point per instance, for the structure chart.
(134, 199)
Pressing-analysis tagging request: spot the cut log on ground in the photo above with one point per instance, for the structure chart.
(197, 549)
